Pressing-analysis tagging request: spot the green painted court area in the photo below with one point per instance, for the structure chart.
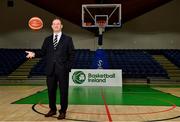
(128, 95)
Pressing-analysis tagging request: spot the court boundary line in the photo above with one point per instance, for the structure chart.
(106, 106)
(33, 108)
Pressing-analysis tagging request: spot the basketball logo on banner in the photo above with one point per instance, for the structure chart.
(78, 77)
(35, 23)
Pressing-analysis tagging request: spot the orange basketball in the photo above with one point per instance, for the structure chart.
(35, 23)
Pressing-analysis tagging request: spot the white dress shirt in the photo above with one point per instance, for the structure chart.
(58, 37)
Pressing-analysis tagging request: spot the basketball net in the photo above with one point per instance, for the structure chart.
(101, 25)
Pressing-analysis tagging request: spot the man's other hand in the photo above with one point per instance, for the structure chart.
(30, 54)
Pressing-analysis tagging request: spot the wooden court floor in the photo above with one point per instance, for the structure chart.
(95, 113)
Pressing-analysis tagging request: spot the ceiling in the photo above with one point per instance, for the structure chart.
(71, 9)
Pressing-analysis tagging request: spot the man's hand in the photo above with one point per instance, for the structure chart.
(30, 54)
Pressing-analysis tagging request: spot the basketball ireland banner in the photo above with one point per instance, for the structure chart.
(95, 77)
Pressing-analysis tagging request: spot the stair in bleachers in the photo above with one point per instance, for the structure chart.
(22, 72)
(173, 55)
(172, 70)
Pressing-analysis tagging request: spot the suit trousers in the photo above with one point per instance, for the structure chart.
(53, 81)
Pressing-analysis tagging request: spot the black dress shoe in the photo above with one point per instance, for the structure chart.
(50, 113)
(62, 115)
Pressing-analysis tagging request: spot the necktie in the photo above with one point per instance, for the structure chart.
(55, 41)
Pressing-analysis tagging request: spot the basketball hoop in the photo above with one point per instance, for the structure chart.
(108, 15)
(100, 16)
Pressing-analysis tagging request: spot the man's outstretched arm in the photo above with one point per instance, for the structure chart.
(41, 53)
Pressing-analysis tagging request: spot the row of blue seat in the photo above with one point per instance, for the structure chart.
(82, 60)
(173, 56)
(134, 63)
(10, 60)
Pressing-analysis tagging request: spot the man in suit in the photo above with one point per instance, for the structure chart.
(58, 50)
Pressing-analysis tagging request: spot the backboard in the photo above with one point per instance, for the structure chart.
(96, 15)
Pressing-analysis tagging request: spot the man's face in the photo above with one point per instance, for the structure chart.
(56, 25)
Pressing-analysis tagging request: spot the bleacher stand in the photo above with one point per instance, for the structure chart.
(10, 60)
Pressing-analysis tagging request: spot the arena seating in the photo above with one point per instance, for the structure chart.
(82, 60)
(38, 69)
(135, 63)
(10, 60)
(173, 56)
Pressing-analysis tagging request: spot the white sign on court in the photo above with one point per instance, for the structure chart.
(95, 77)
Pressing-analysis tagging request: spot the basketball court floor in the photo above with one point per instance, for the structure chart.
(131, 102)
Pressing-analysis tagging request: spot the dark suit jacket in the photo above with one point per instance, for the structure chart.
(61, 58)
